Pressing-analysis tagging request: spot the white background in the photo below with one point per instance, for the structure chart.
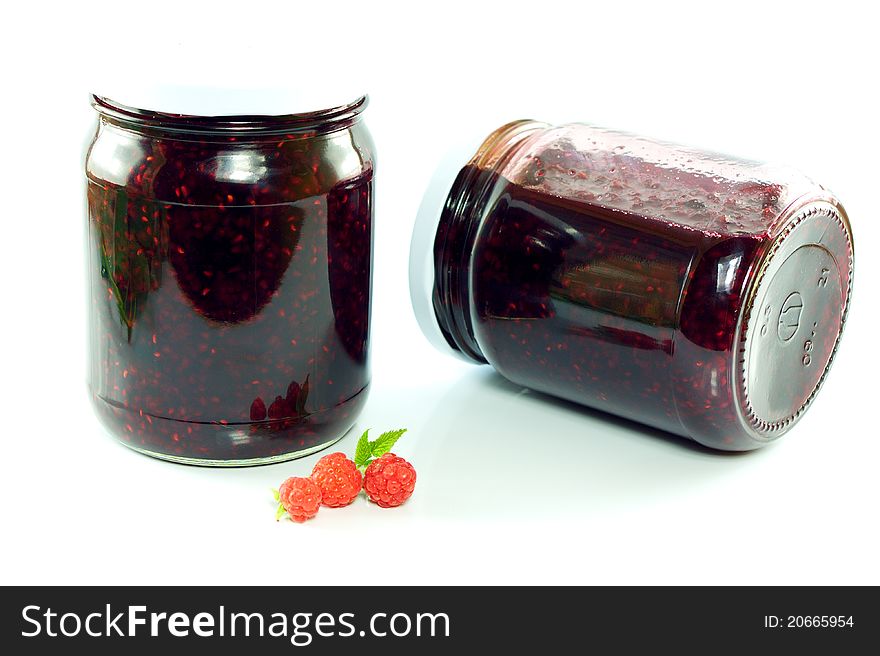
(512, 487)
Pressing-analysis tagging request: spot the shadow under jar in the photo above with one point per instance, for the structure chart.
(690, 291)
(229, 264)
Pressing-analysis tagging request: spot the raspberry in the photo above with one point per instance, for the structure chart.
(300, 497)
(389, 480)
(278, 409)
(339, 480)
(258, 410)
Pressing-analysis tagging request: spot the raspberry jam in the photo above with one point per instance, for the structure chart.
(696, 293)
(230, 272)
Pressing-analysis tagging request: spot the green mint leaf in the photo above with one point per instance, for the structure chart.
(383, 444)
(276, 494)
(279, 513)
(362, 451)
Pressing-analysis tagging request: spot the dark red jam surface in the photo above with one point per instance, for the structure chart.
(587, 308)
(230, 298)
(620, 291)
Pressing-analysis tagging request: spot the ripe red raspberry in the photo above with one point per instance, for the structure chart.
(339, 480)
(300, 497)
(389, 480)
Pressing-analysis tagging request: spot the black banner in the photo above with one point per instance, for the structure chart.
(437, 619)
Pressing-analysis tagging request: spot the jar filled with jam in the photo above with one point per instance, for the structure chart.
(694, 292)
(229, 260)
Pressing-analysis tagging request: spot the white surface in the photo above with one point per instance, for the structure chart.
(512, 487)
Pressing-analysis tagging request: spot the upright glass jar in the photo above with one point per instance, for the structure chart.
(694, 292)
(229, 263)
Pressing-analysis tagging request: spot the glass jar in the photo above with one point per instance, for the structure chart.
(690, 291)
(229, 262)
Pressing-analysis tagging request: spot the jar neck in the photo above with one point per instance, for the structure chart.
(460, 221)
(299, 126)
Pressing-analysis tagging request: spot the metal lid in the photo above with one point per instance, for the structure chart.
(793, 318)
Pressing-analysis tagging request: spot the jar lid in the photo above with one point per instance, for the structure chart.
(793, 317)
(421, 252)
(211, 101)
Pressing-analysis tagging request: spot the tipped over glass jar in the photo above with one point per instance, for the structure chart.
(697, 293)
(229, 260)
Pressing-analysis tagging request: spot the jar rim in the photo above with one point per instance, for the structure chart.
(316, 122)
(443, 203)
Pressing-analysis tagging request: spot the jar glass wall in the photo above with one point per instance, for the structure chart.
(230, 278)
(694, 292)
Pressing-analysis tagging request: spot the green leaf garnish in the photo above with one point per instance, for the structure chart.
(383, 444)
(367, 450)
(362, 450)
